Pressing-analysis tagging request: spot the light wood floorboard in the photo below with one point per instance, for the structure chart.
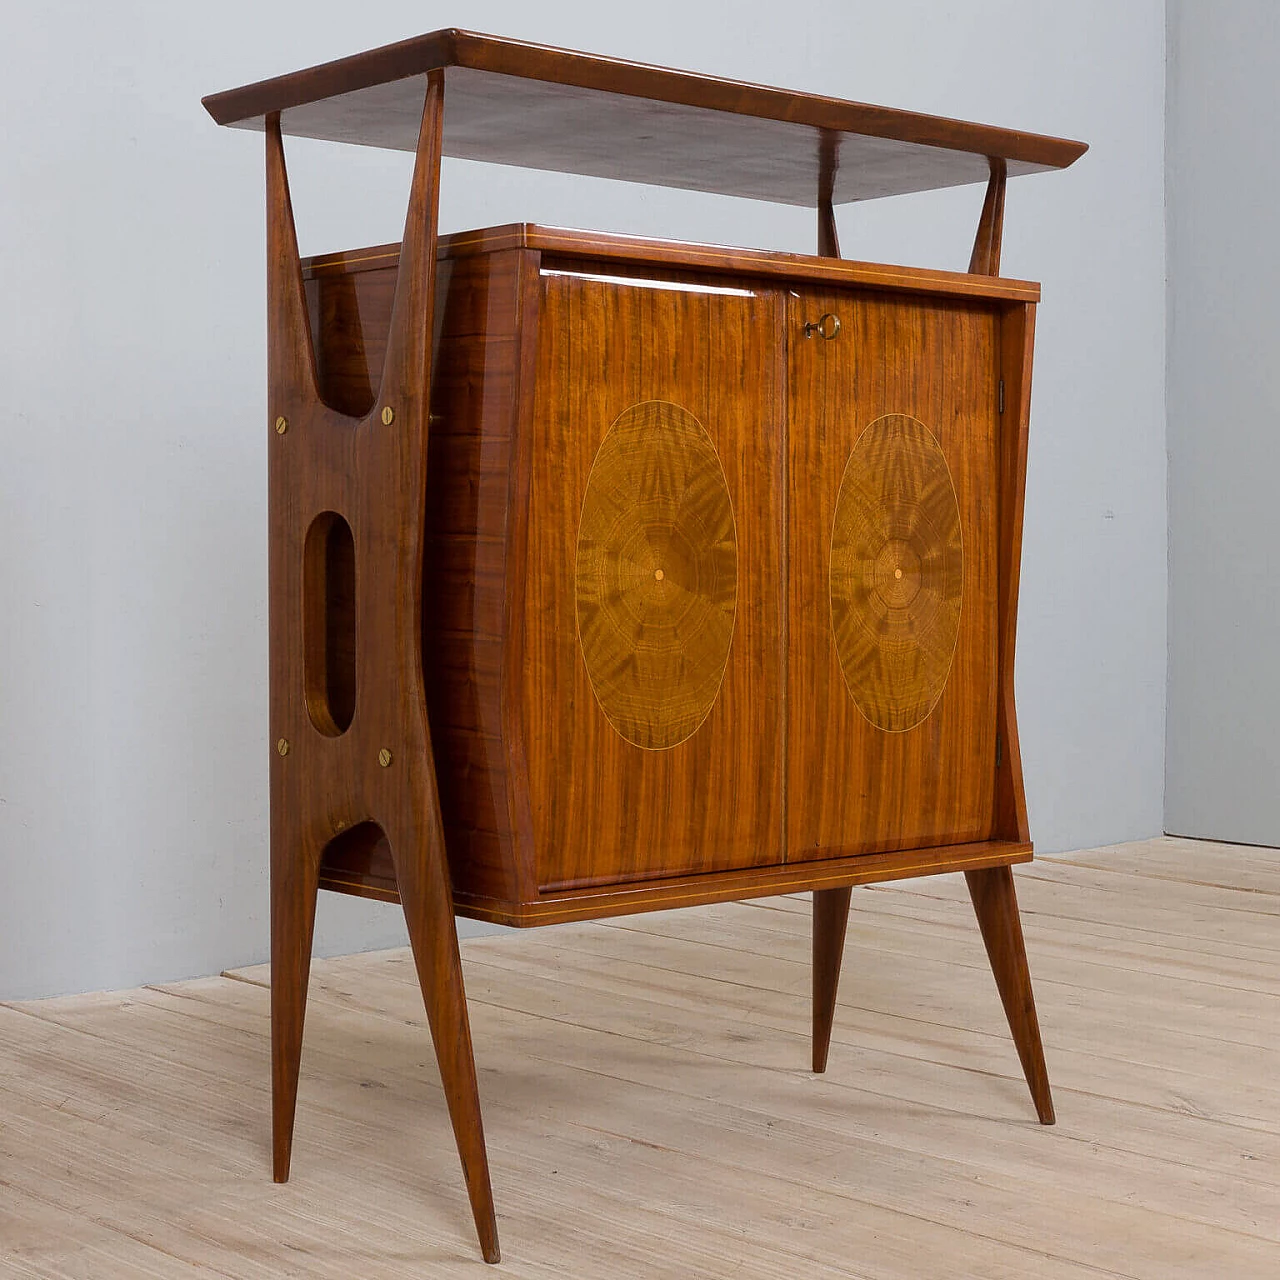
(649, 1111)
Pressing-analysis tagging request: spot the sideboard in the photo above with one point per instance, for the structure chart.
(611, 574)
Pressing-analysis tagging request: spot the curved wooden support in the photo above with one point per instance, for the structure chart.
(372, 473)
(996, 905)
(828, 161)
(830, 918)
(828, 240)
(985, 259)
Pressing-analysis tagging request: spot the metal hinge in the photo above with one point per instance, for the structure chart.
(1000, 396)
(999, 750)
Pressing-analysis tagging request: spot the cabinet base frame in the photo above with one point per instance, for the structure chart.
(369, 875)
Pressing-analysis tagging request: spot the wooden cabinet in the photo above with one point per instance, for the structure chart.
(712, 584)
(608, 574)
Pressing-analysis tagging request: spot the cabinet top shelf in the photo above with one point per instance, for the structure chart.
(508, 102)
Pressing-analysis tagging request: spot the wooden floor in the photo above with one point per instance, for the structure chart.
(650, 1114)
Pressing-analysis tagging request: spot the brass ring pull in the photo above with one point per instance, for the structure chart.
(826, 327)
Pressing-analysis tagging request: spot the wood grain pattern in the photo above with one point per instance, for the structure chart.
(896, 572)
(855, 788)
(609, 341)
(379, 773)
(512, 102)
(467, 568)
(656, 579)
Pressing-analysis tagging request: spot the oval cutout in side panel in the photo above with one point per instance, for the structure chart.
(657, 575)
(897, 573)
(329, 623)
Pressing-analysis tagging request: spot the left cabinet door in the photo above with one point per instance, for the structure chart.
(653, 655)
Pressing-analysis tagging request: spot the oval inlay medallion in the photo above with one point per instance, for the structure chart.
(897, 572)
(657, 575)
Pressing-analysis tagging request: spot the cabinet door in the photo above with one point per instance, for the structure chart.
(892, 586)
(653, 666)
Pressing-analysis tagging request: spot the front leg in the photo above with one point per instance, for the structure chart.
(996, 906)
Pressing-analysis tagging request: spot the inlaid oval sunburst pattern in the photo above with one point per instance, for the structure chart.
(897, 572)
(657, 575)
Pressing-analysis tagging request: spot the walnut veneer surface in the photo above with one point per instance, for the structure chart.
(547, 344)
(513, 102)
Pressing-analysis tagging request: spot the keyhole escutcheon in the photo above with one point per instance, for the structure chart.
(826, 326)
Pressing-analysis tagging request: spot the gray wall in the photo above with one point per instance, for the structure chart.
(133, 731)
(1223, 764)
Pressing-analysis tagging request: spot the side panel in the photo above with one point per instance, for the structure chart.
(465, 564)
(471, 433)
(893, 530)
(653, 624)
(1017, 339)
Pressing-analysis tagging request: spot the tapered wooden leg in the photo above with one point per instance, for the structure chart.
(830, 916)
(428, 908)
(996, 906)
(294, 886)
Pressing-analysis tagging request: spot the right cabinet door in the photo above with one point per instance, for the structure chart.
(892, 657)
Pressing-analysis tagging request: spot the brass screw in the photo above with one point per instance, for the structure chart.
(388, 415)
(384, 757)
(283, 746)
(282, 425)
